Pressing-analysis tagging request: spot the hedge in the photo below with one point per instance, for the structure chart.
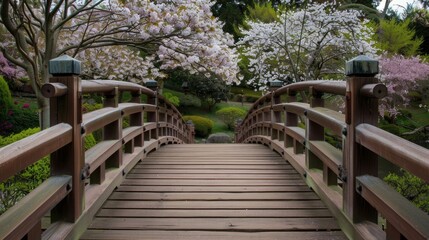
(203, 126)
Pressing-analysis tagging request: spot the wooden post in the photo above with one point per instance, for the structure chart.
(68, 160)
(112, 131)
(136, 119)
(358, 160)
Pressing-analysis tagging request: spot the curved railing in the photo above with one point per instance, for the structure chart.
(82, 180)
(344, 174)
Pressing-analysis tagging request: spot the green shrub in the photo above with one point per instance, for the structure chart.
(411, 187)
(172, 99)
(16, 187)
(5, 98)
(203, 126)
(17, 117)
(89, 141)
(230, 115)
(87, 107)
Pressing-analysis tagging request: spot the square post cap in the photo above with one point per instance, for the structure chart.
(151, 84)
(361, 66)
(64, 65)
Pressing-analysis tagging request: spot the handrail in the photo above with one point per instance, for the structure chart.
(24, 215)
(21, 154)
(339, 172)
(89, 177)
(397, 150)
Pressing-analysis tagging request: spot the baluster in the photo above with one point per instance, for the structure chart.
(113, 130)
(358, 160)
(68, 160)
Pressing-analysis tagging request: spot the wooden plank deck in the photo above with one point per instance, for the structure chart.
(213, 191)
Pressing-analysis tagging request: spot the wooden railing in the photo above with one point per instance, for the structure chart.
(344, 176)
(82, 180)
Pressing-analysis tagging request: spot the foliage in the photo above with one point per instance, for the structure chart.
(16, 187)
(209, 90)
(203, 126)
(393, 38)
(87, 107)
(172, 99)
(400, 76)
(230, 115)
(189, 100)
(5, 98)
(306, 43)
(112, 37)
(411, 187)
(420, 23)
(8, 70)
(19, 118)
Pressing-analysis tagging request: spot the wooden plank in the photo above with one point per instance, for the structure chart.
(236, 224)
(214, 162)
(214, 176)
(259, 189)
(198, 213)
(215, 182)
(213, 196)
(213, 167)
(182, 190)
(311, 204)
(29, 211)
(207, 235)
(212, 171)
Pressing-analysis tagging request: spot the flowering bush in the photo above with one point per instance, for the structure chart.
(400, 75)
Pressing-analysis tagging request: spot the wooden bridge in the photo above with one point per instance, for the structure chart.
(281, 180)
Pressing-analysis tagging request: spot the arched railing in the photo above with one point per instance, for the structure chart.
(82, 180)
(344, 176)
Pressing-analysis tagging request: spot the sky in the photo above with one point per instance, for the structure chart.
(397, 4)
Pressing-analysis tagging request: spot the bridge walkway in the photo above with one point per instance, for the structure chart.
(213, 191)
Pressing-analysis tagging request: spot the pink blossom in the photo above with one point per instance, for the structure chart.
(400, 75)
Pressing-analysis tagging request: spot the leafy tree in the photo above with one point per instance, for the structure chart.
(411, 187)
(400, 75)
(230, 115)
(396, 38)
(308, 43)
(100, 33)
(420, 22)
(209, 90)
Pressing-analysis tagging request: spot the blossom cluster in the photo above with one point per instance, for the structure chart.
(400, 75)
(305, 44)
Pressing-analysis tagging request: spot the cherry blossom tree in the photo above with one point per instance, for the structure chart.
(400, 75)
(305, 43)
(132, 40)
